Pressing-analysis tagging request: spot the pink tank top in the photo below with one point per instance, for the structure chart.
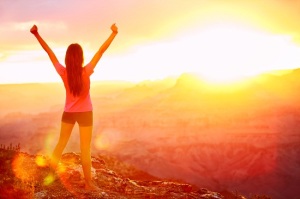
(81, 103)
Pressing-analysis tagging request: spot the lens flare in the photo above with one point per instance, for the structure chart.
(50, 141)
(24, 167)
(107, 138)
(40, 161)
(49, 179)
(101, 143)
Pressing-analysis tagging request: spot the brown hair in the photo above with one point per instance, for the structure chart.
(74, 62)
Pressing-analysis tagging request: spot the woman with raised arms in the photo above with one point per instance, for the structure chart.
(78, 105)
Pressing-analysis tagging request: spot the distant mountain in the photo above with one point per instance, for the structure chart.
(219, 136)
(242, 136)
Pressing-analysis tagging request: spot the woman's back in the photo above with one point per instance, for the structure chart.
(82, 102)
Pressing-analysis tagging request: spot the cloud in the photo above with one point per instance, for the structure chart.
(25, 26)
(17, 43)
(143, 25)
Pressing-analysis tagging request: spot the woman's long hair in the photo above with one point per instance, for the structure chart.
(74, 62)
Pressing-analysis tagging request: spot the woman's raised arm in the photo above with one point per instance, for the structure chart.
(34, 31)
(104, 46)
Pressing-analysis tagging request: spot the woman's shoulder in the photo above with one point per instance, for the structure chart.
(88, 69)
(60, 68)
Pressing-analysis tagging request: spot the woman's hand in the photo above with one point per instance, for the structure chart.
(114, 28)
(34, 29)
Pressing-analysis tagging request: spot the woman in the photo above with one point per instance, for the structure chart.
(78, 105)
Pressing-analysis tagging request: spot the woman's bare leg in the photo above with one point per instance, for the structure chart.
(85, 147)
(65, 132)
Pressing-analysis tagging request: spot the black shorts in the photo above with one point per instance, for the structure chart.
(82, 118)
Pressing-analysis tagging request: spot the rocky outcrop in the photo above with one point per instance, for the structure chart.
(27, 176)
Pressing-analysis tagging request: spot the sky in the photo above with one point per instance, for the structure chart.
(217, 39)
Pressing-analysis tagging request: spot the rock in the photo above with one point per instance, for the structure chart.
(97, 163)
(69, 182)
(41, 194)
(71, 158)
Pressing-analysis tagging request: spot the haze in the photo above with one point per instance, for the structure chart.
(221, 41)
(205, 92)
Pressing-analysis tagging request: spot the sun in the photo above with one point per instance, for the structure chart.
(227, 52)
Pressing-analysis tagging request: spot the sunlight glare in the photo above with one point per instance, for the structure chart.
(219, 53)
(226, 53)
